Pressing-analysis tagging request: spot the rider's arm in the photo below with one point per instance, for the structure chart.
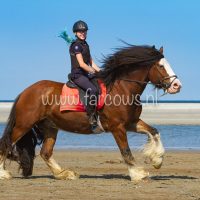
(82, 64)
(96, 68)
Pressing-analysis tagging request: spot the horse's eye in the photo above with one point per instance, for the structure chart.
(161, 66)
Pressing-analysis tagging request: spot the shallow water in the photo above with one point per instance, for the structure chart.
(176, 137)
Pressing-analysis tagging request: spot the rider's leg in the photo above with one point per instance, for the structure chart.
(91, 95)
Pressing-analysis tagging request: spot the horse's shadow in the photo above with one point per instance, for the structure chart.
(36, 177)
(170, 177)
(121, 176)
(105, 176)
(116, 176)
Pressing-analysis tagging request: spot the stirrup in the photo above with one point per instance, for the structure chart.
(94, 125)
(93, 119)
(97, 126)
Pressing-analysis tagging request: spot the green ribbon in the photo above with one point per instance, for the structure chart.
(66, 37)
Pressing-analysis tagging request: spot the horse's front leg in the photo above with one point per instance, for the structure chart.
(154, 149)
(135, 172)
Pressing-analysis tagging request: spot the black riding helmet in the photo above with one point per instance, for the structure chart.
(80, 26)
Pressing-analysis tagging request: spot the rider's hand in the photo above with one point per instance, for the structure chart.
(92, 71)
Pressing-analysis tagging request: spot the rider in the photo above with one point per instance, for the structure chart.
(83, 67)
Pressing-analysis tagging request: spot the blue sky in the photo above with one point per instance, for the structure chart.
(31, 51)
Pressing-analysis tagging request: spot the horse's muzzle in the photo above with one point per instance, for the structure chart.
(175, 87)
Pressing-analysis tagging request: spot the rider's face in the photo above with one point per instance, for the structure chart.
(81, 35)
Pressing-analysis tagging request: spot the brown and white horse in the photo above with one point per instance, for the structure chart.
(126, 74)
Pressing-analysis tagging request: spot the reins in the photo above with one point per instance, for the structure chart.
(163, 85)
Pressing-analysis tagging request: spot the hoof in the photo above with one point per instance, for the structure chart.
(138, 174)
(5, 175)
(157, 166)
(67, 175)
(157, 163)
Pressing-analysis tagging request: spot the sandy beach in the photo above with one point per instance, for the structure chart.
(104, 176)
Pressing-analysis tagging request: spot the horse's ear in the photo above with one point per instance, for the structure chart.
(161, 50)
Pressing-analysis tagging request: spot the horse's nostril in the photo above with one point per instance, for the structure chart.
(176, 85)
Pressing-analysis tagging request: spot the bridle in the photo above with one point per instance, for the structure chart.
(164, 85)
(161, 83)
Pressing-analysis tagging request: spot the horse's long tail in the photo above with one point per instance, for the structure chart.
(24, 153)
(24, 150)
(5, 141)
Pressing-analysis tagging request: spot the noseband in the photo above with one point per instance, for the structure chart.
(164, 85)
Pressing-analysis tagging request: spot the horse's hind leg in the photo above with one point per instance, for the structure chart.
(4, 174)
(46, 153)
(136, 173)
(16, 134)
(154, 149)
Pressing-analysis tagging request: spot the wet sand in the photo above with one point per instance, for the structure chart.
(104, 176)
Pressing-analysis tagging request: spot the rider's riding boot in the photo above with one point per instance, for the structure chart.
(93, 119)
(92, 115)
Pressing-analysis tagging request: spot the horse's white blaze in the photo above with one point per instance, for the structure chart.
(176, 84)
(137, 173)
(154, 150)
(4, 174)
(167, 67)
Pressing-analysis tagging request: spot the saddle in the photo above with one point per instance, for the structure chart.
(71, 84)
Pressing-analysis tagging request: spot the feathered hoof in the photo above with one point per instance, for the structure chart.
(157, 163)
(138, 174)
(67, 175)
(5, 175)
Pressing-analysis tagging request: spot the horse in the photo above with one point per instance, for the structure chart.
(125, 72)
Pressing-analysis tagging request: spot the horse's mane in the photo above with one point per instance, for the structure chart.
(125, 59)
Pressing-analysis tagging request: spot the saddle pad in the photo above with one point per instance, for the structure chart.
(70, 99)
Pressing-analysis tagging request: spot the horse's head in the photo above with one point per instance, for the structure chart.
(162, 75)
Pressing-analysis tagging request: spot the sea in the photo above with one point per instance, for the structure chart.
(174, 137)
